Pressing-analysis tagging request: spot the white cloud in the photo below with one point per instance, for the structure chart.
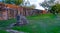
(36, 2)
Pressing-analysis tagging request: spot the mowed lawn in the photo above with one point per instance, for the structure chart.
(45, 23)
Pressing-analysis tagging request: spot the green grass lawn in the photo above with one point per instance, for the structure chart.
(3, 31)
(45, 23)
(5, 23)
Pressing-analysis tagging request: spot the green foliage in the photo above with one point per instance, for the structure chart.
(7, 1)
(55, 8)
(17, 2)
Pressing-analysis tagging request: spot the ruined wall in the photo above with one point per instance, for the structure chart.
(13, 10)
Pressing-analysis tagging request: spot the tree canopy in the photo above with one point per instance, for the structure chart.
(47, 4)
(31, 6)
(55, 8)
(16, 2)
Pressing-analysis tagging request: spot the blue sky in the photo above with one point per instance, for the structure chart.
(0, 0)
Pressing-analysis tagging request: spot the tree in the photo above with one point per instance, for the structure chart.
(16, 2)
(47, 4)
(55, 9)
(26, 3)
(7, 1)
(32, 6)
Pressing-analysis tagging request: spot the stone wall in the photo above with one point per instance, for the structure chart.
(14, 10)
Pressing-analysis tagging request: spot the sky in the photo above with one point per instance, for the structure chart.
(36, 3)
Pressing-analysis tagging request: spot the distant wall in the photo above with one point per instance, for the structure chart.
(13, 10)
